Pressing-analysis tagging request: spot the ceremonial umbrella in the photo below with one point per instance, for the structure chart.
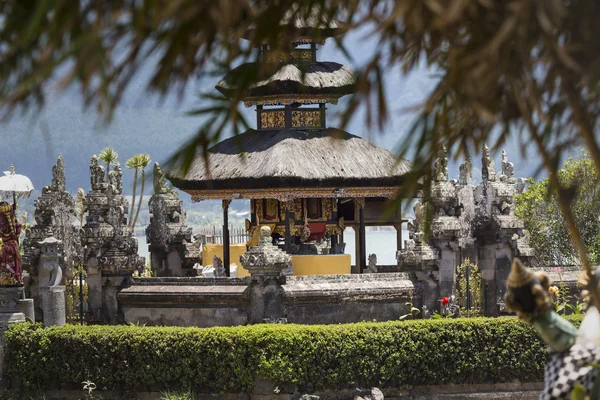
(16, 184)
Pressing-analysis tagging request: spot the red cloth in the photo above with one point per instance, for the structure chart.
(317, 231)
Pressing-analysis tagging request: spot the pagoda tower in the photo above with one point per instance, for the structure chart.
(304, 180)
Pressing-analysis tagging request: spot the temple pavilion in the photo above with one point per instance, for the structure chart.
(304, 179)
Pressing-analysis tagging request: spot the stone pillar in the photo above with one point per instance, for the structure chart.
(362, 235)
(266, 263)
(9, 314)
(26, 306)
(226, 254)
(447, 271)
(53, 305)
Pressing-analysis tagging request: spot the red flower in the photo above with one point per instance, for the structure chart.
(445, 301)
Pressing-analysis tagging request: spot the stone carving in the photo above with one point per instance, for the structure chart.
(168, 232)
(51, 257)
(53, 215)
(465, 220)
(160, 182)
(115, 179)
(58, 175)
(108, 239)
(265, 259)
(508, 169)
(97, 174)
(218, 267)
(466, 172)
(372, 267)
(440, 167)
(488, 169)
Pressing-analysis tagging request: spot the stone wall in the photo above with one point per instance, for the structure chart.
(238, 301)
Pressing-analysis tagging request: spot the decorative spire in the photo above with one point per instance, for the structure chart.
(265, 259)
(488, 169)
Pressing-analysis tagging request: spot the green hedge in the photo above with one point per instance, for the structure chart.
(313, 357)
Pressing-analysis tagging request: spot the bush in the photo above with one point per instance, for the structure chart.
(134, 358)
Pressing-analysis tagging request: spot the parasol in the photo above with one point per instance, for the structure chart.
(16, 184)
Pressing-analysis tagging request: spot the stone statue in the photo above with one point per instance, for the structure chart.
(160, 182)
(465, 171)
(96, 174)
(218, 267)
(528, 294)
(508, 169)
(10, 255)
(488, 168)
(265, 259)
(372, 268)
(440, 167)
(58, 175)
(115, 179)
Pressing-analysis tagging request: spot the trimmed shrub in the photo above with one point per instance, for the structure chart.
(217, 360)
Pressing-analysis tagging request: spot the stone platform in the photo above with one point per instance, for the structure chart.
(322, 299)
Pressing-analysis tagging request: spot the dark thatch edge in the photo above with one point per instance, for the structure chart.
(335, 81)
(377, 167)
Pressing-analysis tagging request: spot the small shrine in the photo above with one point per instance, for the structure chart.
(306, 181)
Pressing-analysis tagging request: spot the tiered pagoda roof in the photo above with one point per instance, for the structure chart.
(292, 148)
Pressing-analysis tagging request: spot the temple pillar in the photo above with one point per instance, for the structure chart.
(288, 232)
(356, 266)
(226, 254)
(362, 236)
(398, 228)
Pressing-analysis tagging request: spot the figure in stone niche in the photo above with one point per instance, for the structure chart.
(58, 175)
(508, 169)
(115, 178)
(96, 174)
(372, 268)
(440, 167)
(465, 171)
(488, 168)
(160, 182)
(10, 229)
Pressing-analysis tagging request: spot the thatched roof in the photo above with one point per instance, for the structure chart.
(293, 159)
(315, 24)
(291, 79)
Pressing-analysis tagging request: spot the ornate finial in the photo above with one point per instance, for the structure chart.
(160, 182)
(465, 176)
(96, 174)
(265, 259)
(115, 178)
(59, 182)
(488, 169)
(508, 169)
(440, 167)
(12, 169)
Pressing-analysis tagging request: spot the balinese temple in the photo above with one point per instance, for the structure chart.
(304, 179)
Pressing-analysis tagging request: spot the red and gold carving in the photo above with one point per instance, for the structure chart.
(272, 119)
(306, 118)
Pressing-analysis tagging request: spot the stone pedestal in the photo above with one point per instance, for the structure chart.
(26, 306)
(9, 314)
(53, 305)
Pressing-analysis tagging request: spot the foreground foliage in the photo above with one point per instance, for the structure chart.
(543, 217)
(134, 358)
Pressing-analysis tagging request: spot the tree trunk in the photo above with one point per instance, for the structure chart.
(133, 197)
(137, 213)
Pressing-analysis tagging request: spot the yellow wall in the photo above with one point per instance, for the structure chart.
(235, 251)
(303, 265)
(321, 264)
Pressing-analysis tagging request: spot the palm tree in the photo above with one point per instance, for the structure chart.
(109, 156)
(133, 163)
(143, 161)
